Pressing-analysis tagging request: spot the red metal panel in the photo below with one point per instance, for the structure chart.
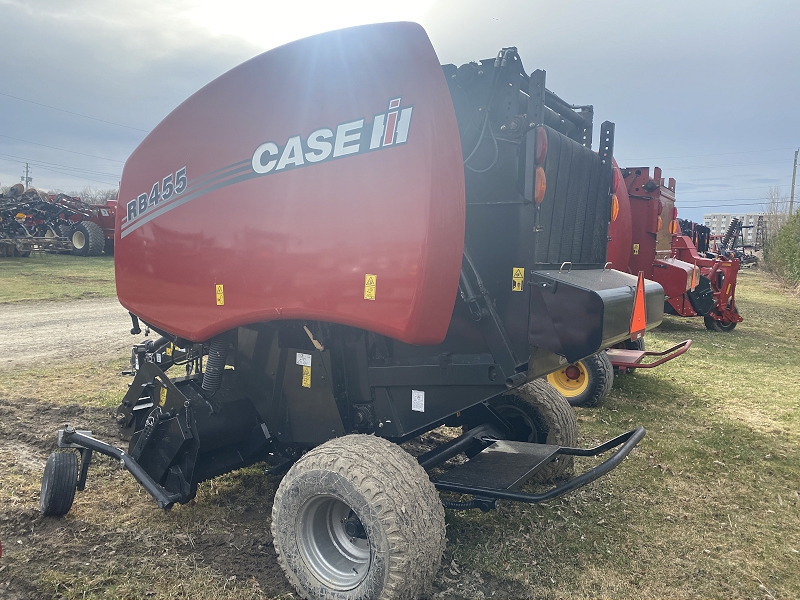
(307, 169)
(620, 231)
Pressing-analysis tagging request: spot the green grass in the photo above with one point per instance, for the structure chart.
(56, 277)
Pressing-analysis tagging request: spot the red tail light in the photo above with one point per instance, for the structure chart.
(674, 212)
(541, 145)
(617, 180)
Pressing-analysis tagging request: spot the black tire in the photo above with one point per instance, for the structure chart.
(58, 484)
(540, 414)
(637, 345)
(396, 533)
(714, 325)
(88, 239)
(593, 385)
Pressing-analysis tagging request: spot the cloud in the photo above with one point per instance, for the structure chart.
(129, 63)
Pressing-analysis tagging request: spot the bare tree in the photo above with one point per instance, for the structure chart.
(776, 210)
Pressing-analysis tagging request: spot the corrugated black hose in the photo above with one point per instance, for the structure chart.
(215, 366)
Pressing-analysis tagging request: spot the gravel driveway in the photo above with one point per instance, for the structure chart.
(35, 333)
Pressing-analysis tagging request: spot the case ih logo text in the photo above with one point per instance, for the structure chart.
(388, 129)
(354, 137)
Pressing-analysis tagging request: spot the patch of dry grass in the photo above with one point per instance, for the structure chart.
(56, 277)
(705, 507)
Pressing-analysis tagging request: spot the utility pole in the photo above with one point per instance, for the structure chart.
(794, 172)
(27, 179)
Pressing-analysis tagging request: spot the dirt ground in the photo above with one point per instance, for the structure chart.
(37, 332)
(115, 542)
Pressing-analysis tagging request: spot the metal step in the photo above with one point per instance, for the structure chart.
(504, 465)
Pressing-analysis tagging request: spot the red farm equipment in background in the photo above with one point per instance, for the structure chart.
(647, 237)
(89, 227)
(633, 248)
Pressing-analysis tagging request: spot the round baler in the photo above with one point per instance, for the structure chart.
(344, 245)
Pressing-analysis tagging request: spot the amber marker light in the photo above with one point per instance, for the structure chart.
(541, 185)
(614, 207)
(660, 224)
(673, 226)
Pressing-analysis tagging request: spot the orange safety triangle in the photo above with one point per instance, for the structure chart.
(639, 317)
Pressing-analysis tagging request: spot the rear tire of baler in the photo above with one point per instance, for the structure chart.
(365, 484)
(58, 484)
(540, 414)
(88, 239)
(714, 325)
(594, 384)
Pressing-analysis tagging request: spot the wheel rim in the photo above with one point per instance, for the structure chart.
(333, 542)
(78, 240)
(569, 382)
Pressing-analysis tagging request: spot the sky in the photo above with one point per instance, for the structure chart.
(708, 90)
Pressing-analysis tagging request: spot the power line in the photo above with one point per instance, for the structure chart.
(722, 204)
(759, 187)
(72, 175)
(73, 113)
(716, 154)
(78, 176)
(78, 169)
(62, 149)
(768, 162)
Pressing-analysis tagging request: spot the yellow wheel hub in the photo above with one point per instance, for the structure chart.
(571, 381)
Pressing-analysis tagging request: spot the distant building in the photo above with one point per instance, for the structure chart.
(719, 222)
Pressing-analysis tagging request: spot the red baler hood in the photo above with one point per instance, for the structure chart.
(294, 177)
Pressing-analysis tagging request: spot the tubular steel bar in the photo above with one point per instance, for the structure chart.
(629, 440)
(71, 436)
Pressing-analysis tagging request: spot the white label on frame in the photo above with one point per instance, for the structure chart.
(417, 401)
(304, 359)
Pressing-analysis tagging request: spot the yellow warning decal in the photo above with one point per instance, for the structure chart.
(306, 377)
(162, 396)
(518, 277)
(728, 291)
(370, 284)
(220, 295)
(636, 249)
(168, 349)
